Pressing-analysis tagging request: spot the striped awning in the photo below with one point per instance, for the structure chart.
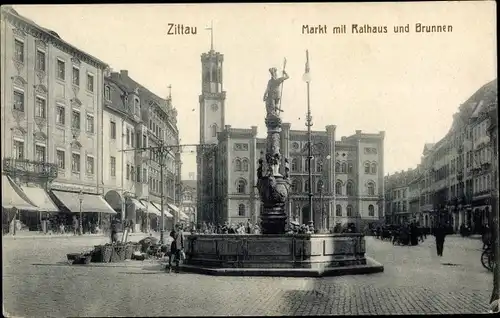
(14, 199)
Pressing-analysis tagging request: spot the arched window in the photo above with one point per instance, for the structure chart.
(349, 211)
(367, 167)
(295, 165)
(245, 164)
(319, 186)
(371, 188)
(350, 188)
(241, 210)
(337, 167)
(237, 163)
(338, 187)
(214, 130)
(242, 186)
(338, 210)
(306, 186)
(349, 168)
(374, 168)
(319, 166)
(371, 210)
(344, 167)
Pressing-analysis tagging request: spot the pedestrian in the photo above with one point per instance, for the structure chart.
(75, 224)
(114, 231)
(439, 234)
(176, 248)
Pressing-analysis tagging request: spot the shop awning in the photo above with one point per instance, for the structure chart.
(90, 202)
(136, 204)
(181, 214)
(165, 211)
(41, 198)
(151, 209)
(12, 199)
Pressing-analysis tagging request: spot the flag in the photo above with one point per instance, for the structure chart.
(307, 75)
(307, 62)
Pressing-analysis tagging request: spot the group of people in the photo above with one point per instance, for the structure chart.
(404, 234)
(227, 228)
(412, 234)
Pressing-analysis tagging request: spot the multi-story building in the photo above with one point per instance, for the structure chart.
(347, 173)
(188, 199)
(402, 195)
(456, 173)
(51, 101)
(135, 118)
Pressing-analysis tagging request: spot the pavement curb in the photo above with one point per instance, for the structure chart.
(371, 267)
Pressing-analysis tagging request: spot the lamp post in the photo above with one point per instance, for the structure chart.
(307, 79)
(321, 205)
(80, 198)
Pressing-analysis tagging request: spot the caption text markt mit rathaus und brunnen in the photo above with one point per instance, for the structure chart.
(374, 29)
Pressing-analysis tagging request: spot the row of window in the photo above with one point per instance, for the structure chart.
(241, 164)
(40, 65)
(41, 112)
(41, 156)
(399, 206)
(349, 210)
(339, 188)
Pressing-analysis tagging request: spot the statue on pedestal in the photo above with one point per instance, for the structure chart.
(273, 186)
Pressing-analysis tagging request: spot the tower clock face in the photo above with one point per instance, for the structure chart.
(215, 107)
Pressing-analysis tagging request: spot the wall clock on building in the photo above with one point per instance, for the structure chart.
(215, 107)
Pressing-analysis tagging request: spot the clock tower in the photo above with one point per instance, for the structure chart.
(212, 98)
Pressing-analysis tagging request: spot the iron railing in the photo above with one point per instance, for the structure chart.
(30, 168)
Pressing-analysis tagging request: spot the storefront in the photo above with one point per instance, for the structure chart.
(94, 210)
(14, 201)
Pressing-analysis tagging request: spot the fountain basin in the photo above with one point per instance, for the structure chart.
(278, 255)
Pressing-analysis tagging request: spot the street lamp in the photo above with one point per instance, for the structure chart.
(80, 198)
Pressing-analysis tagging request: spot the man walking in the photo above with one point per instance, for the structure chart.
(176, 248)
(439, 234)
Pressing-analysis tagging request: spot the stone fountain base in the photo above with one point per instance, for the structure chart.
(301, 255)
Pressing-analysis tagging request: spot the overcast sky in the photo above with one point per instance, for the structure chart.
(406, 84)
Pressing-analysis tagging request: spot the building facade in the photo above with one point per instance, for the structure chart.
(188, 199)
(135, 119)
(347, 173)
(457, 173)
(51, 99)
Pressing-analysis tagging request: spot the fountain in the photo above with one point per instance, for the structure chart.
(274, 253)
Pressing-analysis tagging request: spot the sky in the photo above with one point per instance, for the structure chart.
(406, 84)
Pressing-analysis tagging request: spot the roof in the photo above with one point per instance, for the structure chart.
(7, 9)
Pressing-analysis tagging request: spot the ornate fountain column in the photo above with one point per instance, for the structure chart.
(273, 187)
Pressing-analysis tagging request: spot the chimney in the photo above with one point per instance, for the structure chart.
(124, 73)
(358, 132)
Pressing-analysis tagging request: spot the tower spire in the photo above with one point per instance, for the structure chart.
(169, 91)
(211, 29)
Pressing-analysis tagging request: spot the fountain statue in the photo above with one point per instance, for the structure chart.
(274, 252)
(272, 185)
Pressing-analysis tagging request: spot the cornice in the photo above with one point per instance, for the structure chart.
(21, 23)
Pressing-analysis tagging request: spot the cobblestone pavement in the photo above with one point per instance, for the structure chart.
(415, 281)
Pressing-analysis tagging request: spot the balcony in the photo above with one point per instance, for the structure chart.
(30, 169)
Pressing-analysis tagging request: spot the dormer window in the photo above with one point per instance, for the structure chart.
(107, 93)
